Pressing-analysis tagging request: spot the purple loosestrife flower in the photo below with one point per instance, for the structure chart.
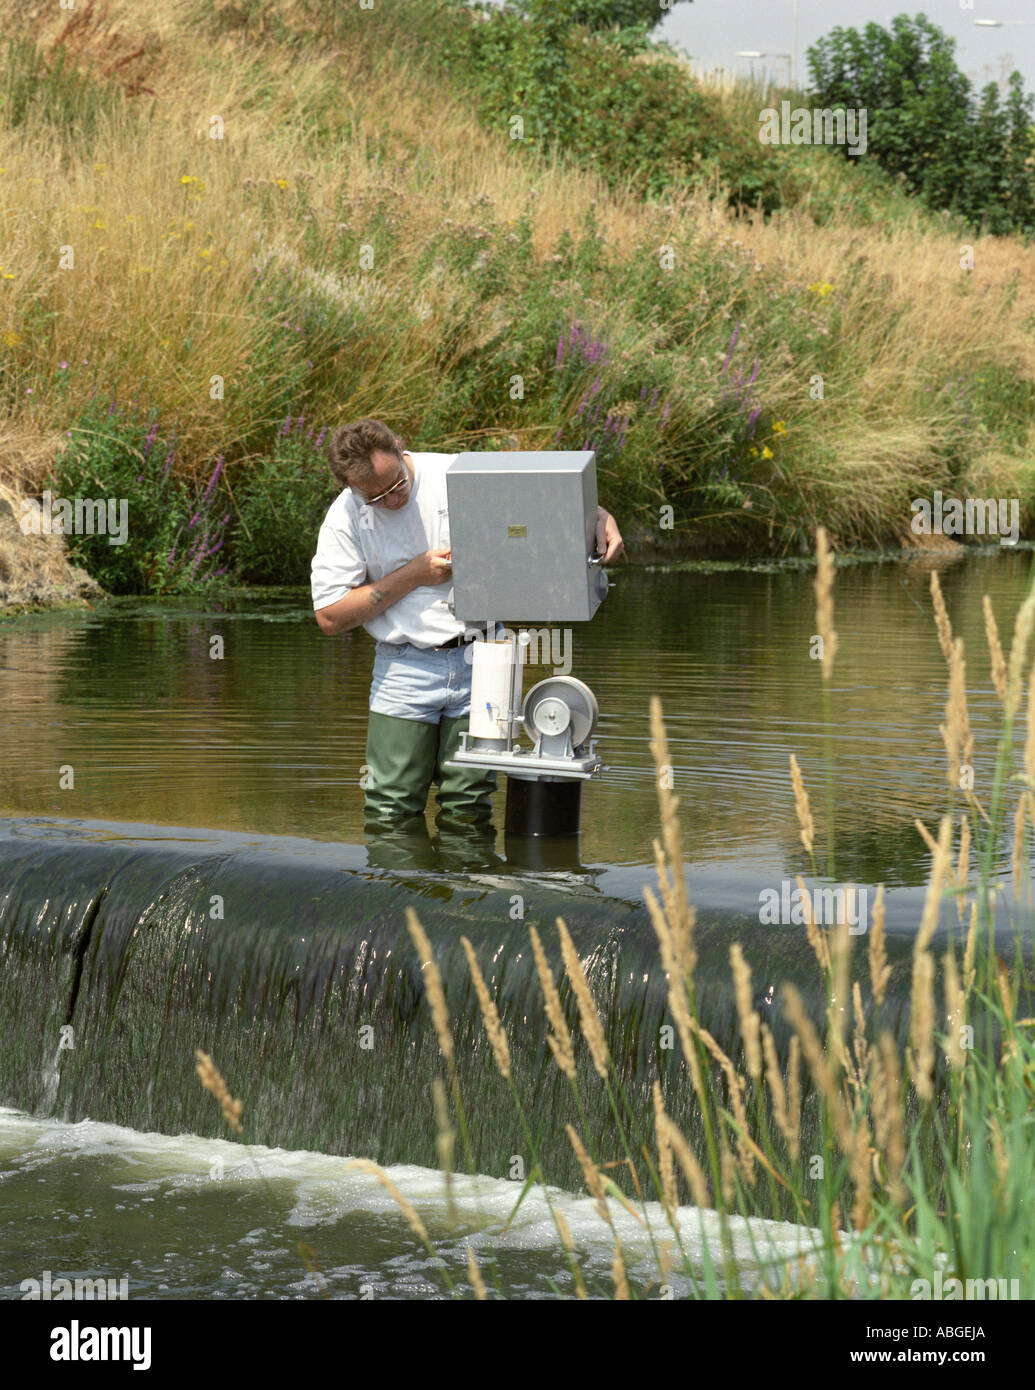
(212, 480)
(654, 398)
(286, 427)
(172, 555)
(319, 438)
(193, 521)
(754, 373)
(222, 570)
(733, 344)
(168, 463)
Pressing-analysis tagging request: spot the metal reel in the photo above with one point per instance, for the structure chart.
(559, 704)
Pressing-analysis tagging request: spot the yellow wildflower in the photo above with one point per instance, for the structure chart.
(821, 288)
(11, 339)
(767, 453)
(281, 183)
(779, 428)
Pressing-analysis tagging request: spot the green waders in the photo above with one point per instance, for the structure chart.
(404, 757)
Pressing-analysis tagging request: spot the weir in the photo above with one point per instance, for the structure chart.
(126, 947)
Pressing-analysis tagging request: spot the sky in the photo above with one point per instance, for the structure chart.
(712, 30)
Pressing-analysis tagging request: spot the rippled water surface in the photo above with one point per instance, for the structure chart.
(271, 737)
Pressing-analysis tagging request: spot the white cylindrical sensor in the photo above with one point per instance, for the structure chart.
(492, 688)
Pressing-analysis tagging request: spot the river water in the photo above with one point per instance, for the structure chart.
(268, 740)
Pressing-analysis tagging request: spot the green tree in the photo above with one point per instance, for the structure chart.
(605, 14)
(925, 124)
(599, 14)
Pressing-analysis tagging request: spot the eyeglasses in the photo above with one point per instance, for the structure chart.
(403, 481)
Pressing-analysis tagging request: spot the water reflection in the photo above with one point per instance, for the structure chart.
(239, 714)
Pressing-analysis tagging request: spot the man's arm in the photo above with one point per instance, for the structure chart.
(367, 600)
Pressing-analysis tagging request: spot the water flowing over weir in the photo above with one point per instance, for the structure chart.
(126, 947)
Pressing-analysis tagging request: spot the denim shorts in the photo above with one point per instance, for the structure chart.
(420, 683)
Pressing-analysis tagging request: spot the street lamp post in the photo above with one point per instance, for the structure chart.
(794, 46)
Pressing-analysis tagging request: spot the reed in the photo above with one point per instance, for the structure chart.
(825, 602)
(592, 1028)
(930, 1147)
(475, 1276)
(490, 1014)
(995, 650)
(212, 1080)
(801, 807)
(559, 1039)
(416, 1225)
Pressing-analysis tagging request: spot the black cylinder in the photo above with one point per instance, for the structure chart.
(536, 806)
(543, 854)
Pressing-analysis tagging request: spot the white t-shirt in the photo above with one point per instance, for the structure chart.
(359, 544)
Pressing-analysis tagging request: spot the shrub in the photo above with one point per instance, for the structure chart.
(280, 508)
(175, 529)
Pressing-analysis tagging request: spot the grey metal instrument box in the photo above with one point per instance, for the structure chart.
(522, 530)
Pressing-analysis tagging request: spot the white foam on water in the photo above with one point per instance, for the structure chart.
(324, 1192)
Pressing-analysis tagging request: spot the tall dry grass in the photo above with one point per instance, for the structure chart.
(326, 142)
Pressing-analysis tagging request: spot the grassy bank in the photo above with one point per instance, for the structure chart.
(350, 246)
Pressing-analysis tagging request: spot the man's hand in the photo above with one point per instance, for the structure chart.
(609, 539)
(433, 567)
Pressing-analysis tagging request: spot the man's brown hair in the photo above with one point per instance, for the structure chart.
(351, 446)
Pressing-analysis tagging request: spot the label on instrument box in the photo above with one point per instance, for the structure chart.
(516, 532)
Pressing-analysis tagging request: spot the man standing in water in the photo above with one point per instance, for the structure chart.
(383, 561)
